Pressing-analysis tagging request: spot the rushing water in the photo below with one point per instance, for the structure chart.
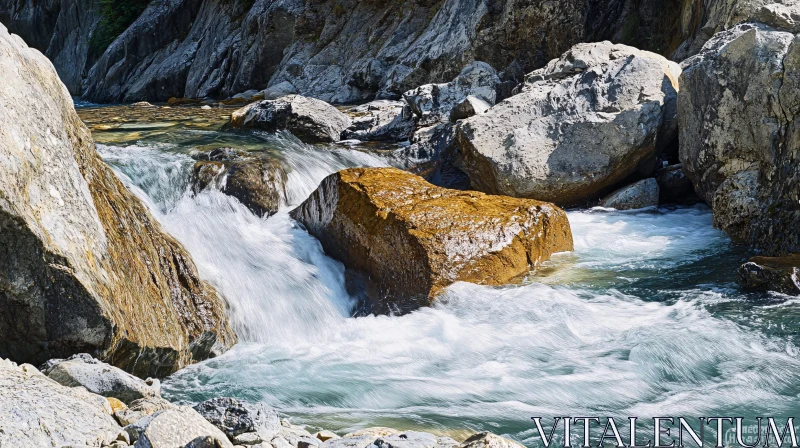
(642, 319)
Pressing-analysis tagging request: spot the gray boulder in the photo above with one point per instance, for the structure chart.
(180, 426)
(781, 274)
(432, 103)
(489, 440)
(739, 134)
(469, 106)
(644, 193)
(579, 125)
(279, 90)
(380, 120)
(100, 378)
(35, 411)
(84, 266)
(309, 119)
(236, 417)
(141, 408)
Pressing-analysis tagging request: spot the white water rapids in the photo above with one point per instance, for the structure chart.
(642, 320)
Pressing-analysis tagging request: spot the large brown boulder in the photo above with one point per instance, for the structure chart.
(412, 239)
(84, 267)
(579, 126)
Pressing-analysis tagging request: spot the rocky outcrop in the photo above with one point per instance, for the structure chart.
(257, 182)
(380, 120)
(781, 274)
(644, 193)
(412, 239)
(739, 134)
(180, 426)
(35, 411)
(100, 378)
(84, 267)
(579, 126)
(432, 103)
(309, 119)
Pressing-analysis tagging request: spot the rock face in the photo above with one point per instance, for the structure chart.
(235, 418)
(380, 120)
(180, 426)
(257, 182)
(432, 103)
(36, 411)
(412, 239)
(644, 193)
(309, 119)
(740, 137)
(99, 378)
(580, 125)
(781, 274)
(84, 267)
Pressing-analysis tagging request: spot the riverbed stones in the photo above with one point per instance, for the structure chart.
(432, 103)
(412, 239)
(35, 411)
(258, 182)
(641, 194)
(235, 418)
(309, 119)
(740, 136)
(99, 378)
(781, 274)
(180, 426)
(580, 125)
(140, 408)
(84, 267)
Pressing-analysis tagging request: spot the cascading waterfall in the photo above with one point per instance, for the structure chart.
(642, 319)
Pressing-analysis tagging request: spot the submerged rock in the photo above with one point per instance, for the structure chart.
(234, 417)
(644, 193)
(84, 267)
(257, 182)
(35, 411)
(412, 239)
(580, 125)
(100, 378)
(740, 137)
(781, 274)
(180, 426)
(309, 119)
(432, 103)
(380, 120)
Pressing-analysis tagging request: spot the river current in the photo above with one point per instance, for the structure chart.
(643, 319)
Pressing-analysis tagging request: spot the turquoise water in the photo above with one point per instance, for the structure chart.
(642, 319)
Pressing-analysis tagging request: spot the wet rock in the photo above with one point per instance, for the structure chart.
(309, 119)
(141, 408)
(432, 103)
(641, 194)
(739, 135)
(781, 274)
(489, 440)
(412, 239)
(36, 411)
(180, 426)
(236, 418)
(257, 182)
(84, 267)
(469, 106)
(99, 378)
(580, 125)
(380, 120)
(673, 184)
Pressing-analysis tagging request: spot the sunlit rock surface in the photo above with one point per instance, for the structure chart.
(413, 239)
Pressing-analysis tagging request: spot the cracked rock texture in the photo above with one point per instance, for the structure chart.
(413, 239)
(84, 267)
(740, 134)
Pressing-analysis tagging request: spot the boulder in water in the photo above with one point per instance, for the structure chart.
(309, 119)
(84, 266)
(781, 274)
(412, 239)
(644, 193)
(580, 125)
(99, 378)
(257, 182)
